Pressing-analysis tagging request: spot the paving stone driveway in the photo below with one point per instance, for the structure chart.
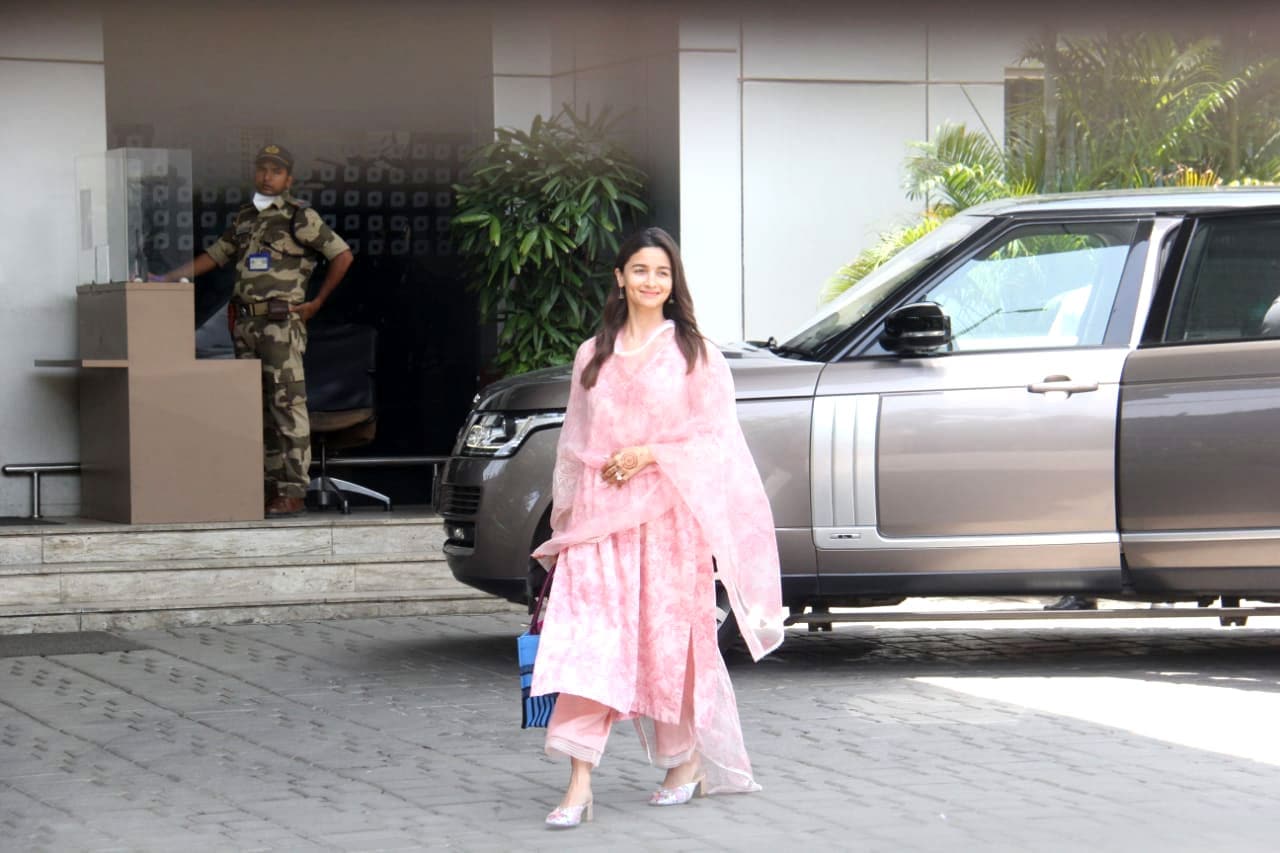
(403, 733)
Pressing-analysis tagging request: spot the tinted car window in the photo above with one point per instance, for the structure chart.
(859, 300)
(1040, 285)
(1230, 283)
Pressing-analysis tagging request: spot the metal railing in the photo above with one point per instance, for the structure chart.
(34, 470)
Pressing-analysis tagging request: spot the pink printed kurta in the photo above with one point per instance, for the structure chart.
(633, 601)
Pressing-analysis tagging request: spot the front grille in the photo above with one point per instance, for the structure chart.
(459, 500)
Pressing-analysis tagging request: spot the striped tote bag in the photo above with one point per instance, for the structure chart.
(535, 711)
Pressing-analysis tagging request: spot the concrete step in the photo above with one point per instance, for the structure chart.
(173, 613)
(144, 543)
(239, 561)
(88, 575)
(149, 582)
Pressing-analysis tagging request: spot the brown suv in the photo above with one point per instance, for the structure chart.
(1071, 394)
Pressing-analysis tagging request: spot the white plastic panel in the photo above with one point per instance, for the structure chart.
(843, 459)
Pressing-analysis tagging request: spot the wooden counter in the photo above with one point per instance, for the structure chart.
(164, 437)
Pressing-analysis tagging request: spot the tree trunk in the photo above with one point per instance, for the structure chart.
(1235, 63)
(1050, 181)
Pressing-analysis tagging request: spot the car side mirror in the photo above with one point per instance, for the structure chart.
(915, 329)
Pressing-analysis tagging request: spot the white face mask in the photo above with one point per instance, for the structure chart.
(262, 202)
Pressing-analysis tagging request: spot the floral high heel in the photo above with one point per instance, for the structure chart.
(567, 817)
(680, 794)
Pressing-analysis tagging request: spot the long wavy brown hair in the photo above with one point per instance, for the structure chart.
(678, 308)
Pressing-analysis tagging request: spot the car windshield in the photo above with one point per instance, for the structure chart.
(858, 301)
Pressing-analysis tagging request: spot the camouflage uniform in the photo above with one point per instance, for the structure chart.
(267, 238)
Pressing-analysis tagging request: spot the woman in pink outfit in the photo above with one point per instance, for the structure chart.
(653, 480)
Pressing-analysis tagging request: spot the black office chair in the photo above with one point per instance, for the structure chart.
(340, 363)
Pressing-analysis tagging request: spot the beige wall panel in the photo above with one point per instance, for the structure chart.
(822, 168)
(853, 45)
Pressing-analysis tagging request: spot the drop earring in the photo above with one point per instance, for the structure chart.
(622, 294)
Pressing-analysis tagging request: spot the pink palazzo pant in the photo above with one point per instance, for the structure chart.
(579, 728)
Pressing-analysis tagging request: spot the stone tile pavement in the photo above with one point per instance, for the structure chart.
(403, 734)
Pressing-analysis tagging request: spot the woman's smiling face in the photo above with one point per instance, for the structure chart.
(646, 279)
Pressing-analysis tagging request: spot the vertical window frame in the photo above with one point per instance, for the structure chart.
(1173, 280)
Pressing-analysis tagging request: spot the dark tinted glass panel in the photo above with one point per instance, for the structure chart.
(1230, 283)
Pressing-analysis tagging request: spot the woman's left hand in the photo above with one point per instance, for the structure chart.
(625, 464)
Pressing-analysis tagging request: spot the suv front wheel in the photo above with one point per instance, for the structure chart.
(727, 636)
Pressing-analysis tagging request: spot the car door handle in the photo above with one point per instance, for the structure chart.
(1062, 385)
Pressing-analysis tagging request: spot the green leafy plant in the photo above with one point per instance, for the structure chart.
(1130, 110)
(539, 217)
(959, 168)
(887, 244)
(1135, 107)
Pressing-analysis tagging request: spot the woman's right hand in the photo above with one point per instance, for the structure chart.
(625, 464)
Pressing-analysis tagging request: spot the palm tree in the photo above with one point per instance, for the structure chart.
(887, 244)
(1134, 108)
(959, 168)
(1131, 110)
(1249, 131)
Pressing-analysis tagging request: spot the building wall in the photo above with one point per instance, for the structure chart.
(711, 198)
(815, 112)
(544, 59)
(51, 90)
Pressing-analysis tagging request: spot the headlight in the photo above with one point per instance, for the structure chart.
(501, 434)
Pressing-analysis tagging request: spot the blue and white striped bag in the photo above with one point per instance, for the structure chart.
(535, 711)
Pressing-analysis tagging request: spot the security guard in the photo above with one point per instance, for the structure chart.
(275, 243)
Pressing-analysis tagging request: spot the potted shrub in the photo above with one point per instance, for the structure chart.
(540, 214)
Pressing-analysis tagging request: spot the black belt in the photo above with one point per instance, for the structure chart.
(263, 309)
